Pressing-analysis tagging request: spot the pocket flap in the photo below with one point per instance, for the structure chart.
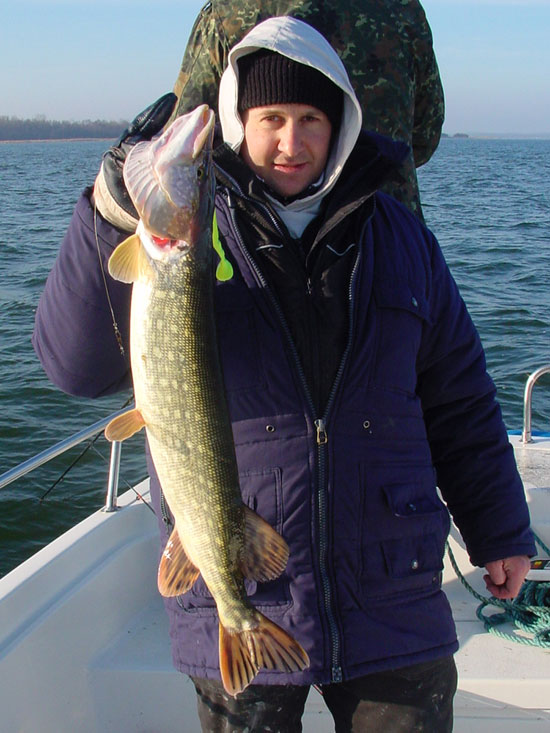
(407, 501)
(401, 296)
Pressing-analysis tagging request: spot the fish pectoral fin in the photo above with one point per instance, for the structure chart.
(129, 260)
(265, 553)
(176, 571)
(124, 426)
(243, 653)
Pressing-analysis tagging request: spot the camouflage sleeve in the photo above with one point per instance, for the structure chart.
(386, 46)
(429, 104)
(218, 27)
(203, 63)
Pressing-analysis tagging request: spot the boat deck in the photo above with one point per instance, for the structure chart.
(96, 614)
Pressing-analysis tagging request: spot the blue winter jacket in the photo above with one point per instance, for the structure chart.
(350, 481)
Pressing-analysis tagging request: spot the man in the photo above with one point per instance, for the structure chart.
(386, 46)
(355, 383)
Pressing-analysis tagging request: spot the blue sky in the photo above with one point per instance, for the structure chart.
(91, 59)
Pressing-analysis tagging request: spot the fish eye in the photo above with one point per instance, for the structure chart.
(200, 172)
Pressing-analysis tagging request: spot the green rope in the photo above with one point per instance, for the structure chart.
(541, 544)
(530, 611)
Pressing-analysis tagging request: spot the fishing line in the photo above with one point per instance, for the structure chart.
(59, 479)
(115, 324)
(139, 496)
(91, 446)
(127, 483)
(118, 337)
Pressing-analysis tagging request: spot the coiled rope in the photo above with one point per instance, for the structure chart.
(529, 611)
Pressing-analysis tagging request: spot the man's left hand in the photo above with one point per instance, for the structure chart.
(505, 577)
(110, 194)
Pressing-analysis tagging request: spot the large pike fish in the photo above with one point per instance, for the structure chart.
(180, 398)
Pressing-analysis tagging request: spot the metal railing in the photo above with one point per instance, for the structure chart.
(526, 436)
(46, 455)
(114, 465)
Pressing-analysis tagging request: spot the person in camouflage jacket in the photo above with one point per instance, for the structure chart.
(386, 46)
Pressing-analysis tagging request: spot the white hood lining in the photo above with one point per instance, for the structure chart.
(302, 43)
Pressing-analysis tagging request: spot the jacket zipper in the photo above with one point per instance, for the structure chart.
(321, 435)
(322, 488)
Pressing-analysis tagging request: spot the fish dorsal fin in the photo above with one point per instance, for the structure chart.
(129, 260)
(243, 653)
(176, 571)
(124, 426)
(265, 553)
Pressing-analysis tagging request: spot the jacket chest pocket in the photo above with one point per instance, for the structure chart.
(401, 314)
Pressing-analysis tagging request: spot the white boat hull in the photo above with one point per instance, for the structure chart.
(84, 642)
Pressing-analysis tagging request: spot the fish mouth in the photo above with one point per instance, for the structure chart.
(180, 144)
(183, 141)
(166, 176)
(161, 248)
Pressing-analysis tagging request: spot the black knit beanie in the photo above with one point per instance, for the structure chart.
(267, 77)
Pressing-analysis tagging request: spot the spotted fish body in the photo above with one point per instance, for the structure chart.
(180, 399)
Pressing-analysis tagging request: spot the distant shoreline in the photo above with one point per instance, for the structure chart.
(56, 140)
(497, 136)
(472, 136)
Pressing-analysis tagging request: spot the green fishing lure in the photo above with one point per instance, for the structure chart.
(224, 270)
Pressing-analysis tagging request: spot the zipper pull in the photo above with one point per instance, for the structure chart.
(322, 436)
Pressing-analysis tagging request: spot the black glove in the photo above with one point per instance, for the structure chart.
(110, 182)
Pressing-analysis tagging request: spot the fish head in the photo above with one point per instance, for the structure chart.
(170, 179)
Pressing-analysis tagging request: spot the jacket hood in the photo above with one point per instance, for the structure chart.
(302, 43)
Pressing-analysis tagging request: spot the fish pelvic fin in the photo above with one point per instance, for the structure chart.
(265, 553)
(129, 260)
(176, 573)
(243, 654)
(124, 426)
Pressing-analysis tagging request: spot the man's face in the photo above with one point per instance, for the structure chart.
(286, 145)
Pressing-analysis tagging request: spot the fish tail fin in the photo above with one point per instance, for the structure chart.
(243, 653)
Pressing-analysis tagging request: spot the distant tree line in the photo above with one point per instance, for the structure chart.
(39, 128)
(457, 134)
